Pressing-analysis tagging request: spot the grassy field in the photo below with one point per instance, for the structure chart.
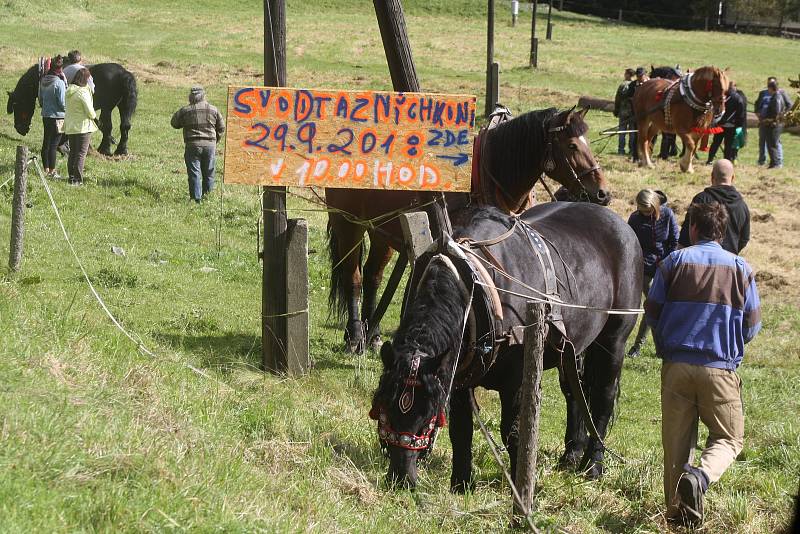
(96, 436)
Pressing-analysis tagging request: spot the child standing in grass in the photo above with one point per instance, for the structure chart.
(79, 123)
(657, 229)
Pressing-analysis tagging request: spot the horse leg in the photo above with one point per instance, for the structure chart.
(652, 133)
(575, 435)
(379, 255)
(603, 366)
(688, 156)
(105, 128)
(345, 252)
(510, 406)
(460, 431)
(643, 141)
(124, 128)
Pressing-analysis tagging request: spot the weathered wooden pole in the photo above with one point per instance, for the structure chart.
(273, 281)
(534, 60)
(549, 17)
(18, 209)
(397, 47)
(530, 399)
(298, 360)
(490, 101)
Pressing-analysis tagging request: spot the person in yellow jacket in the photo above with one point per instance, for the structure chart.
(79, 123)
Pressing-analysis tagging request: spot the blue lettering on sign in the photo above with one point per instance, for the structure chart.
(342, 107)
(412, 114)
(462, 113)
(360, 104)
(382, 102)
(265, 95)
(238, 105)
(463, 137)
(438, 109)
(425, 107)
(319, 101)
(303, 105)
(283, 104)
(399, 100)
(449, 138)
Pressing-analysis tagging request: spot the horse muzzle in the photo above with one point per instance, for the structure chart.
(402, 468)
(602, 197)
(22, 129)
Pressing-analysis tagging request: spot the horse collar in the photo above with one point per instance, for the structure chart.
(689, 96)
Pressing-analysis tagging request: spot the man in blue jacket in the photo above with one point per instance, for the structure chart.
(703, 307)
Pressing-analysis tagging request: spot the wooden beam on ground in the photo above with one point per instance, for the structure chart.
(530, 399)
(273, 281)
(416, 233)
(18, 209)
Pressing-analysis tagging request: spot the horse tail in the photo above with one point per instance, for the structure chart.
(131, 92)
(338, 295)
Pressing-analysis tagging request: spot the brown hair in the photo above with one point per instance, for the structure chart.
(81, 77)
(711, 220)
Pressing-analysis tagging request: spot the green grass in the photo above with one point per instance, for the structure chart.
(95, 436)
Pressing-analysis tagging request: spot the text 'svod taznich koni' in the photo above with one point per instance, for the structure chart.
(350, 139)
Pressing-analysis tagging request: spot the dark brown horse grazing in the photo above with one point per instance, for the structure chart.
(452, 338)
(682, 107)
(514, 156)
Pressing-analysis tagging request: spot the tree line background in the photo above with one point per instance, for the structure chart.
(758, 16)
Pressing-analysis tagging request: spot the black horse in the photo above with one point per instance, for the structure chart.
(591, 257)
(507, 162)
(114, 87)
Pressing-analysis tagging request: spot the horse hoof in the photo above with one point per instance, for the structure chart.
(375, 343)
(569, 461)
(354, 346)
(461, 487)
(120, 152)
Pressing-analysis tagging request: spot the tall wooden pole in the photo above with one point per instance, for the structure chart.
(490, 97)
(273, 283)
(396, 45)
(534, 62)
(549, 18)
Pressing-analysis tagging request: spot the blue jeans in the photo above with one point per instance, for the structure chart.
(764, 134)
(774, 147)
(200, 161)
(626, 124)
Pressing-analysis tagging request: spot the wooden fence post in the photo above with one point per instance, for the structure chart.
(18, 209)
(530, 407)
(273, 280)
(298, 359)
(489, 58)
(549, 20)
(534, 62)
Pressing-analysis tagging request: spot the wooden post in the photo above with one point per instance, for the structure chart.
(489, 58)
(392, 25)
(494, 76)
(514, 12)
(534, 43)
(561, 5)
(706, 24)
(530, 406)
(18, 209)
(273, 281)
(619, 16)
(298, 358)
(549, 17)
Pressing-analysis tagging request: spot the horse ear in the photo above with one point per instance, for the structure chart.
(583, 111)
(387, 354)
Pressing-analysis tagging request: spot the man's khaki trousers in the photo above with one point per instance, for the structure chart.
(689, 392)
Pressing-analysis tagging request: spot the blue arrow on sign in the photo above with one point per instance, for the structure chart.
(460, 159)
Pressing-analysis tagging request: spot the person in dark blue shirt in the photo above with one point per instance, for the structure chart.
(657, 229)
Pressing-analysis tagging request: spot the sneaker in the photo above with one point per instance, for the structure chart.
(635, 351)
(690, 497)
(55, 176)
(75, 182)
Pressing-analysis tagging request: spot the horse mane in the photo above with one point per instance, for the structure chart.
(431, 325)
(516, 148)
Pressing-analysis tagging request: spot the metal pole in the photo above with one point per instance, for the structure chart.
(273, 282)
(18, 209)
(514, 12)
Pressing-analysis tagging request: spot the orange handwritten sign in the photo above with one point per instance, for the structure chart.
(349, 139)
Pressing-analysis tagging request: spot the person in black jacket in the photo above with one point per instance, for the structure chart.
(733, 121)
(737, 233)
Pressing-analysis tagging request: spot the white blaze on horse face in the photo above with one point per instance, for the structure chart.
(582, 138)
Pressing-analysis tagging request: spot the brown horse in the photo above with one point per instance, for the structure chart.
(685, 107)
(514, 155)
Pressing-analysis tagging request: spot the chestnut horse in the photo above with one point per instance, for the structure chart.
(685, 107)
(515, 154)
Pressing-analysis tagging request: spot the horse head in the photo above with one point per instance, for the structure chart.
(22, 100)
(710, 84)
(412, 396)
(409, 408)
(569, 159)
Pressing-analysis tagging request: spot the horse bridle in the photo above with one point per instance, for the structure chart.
(550, 164)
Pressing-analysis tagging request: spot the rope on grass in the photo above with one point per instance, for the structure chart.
(135, 340)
